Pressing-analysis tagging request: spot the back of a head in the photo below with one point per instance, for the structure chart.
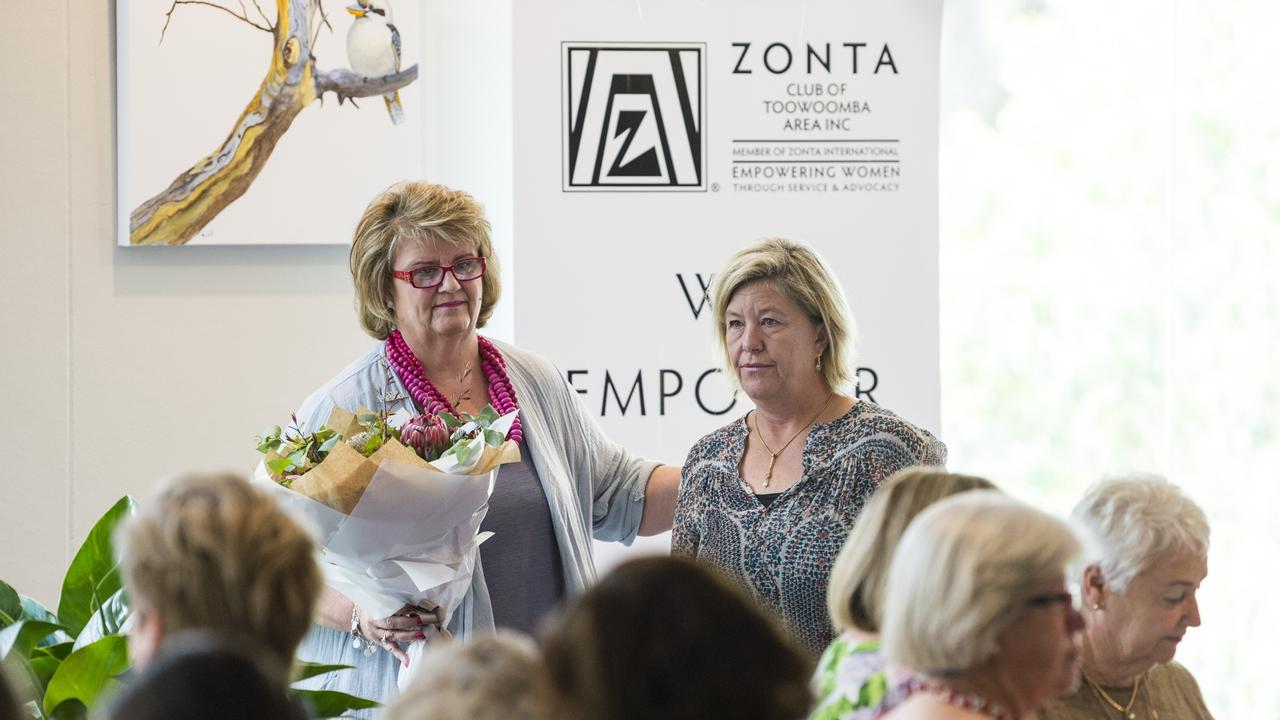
(493, 677)
(855, 592)
(198, 677)
(214, 552)
(663, 637)
(960, 574)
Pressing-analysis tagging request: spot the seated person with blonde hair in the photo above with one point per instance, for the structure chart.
(212, 552)
(494, 677)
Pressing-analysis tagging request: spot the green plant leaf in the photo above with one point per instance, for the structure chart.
(70, 710)
(306, 670)
(10, 605)
(493, 438)
(450, 421)
(106, 621)
(87, 673)
(57, 651)
(42, 669)
(21, 637)
(33, 610)
(93, 576)
(331, 703)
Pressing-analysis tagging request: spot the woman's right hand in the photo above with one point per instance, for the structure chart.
(408, 624)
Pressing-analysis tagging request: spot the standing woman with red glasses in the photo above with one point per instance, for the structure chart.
(426, 280)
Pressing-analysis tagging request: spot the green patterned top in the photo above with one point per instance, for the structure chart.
(851, 680)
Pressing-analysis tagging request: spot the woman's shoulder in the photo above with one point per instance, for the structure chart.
(867, 420)
(361, 383)
(1173, 678)
(719, 441)
(526, 362)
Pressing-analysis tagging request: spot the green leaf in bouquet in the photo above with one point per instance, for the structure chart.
(328, 445)
(307, 670)
(493, 438)
(367, 419)
(93, 576)
(87, 673)
(451, 422)
(20, 638)
(298, 459)
(10, 605)
(487, 416)
(270, 439)
(279, 466)
(331, 703)
(465, 451)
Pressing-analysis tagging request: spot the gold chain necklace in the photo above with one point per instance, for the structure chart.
(1125, 710)
(773, 456)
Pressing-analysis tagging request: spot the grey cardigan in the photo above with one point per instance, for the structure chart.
(594, 487)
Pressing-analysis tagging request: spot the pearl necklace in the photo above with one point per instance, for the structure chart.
(955, 698)
(501, 395)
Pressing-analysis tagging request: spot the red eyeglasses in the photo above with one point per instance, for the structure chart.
(429, 276)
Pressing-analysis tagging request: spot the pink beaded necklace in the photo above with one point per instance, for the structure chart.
(955, 698)
(501, 395)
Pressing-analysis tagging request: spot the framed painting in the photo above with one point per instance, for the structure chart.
(262, 121)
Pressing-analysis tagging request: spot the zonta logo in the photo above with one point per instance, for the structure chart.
(633, 116)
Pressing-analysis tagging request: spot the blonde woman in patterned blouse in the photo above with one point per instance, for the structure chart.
(771, 497)
(1139, 600)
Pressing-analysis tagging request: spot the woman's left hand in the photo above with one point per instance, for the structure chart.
(408, 624)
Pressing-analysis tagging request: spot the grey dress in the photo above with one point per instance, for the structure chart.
(594, 488)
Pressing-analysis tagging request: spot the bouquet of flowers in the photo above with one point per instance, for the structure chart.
(397, 502)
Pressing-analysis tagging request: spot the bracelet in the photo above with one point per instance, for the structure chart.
(359, 641)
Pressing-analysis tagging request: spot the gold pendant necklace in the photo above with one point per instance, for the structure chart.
(1125, 710)
(773, 456)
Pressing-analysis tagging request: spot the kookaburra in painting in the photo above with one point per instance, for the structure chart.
(373, 47)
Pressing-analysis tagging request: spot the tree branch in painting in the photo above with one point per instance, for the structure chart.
(292, 82)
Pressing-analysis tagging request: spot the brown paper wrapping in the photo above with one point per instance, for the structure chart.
(341, 478)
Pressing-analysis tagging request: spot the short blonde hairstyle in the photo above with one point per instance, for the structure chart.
(212, 552)
(855, 593)
(962, 573)
(494, 677)
(799, 273)
(414, 211)
(1134, 519)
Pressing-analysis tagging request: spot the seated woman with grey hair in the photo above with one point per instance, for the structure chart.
(1139, 599)
(977, 606)
(770, 498)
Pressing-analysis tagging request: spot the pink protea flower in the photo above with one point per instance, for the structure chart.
(427, 435)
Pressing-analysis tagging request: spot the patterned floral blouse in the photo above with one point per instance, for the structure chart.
(783, 554)
(851, 681)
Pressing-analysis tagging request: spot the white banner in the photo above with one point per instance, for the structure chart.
(655, 139)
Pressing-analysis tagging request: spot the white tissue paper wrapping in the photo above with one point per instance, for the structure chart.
(411, 539)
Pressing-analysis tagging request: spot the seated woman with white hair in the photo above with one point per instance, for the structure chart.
(977, 606)
(1139, 599)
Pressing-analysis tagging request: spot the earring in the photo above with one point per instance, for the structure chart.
(1097, 606)
(819, 363)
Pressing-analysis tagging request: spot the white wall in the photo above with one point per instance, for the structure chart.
(123, 365)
